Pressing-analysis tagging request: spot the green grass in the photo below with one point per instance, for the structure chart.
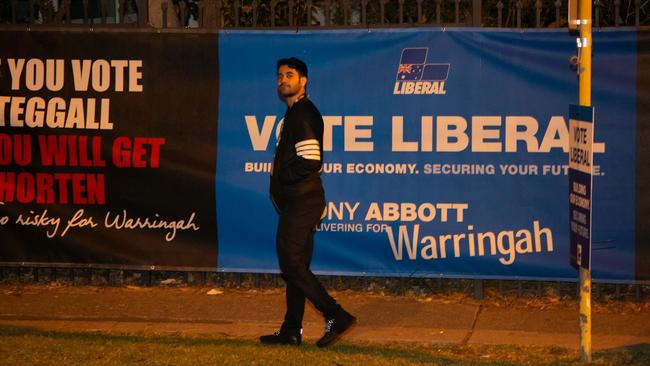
(26, 346)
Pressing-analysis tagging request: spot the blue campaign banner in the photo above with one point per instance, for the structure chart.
(445, 150)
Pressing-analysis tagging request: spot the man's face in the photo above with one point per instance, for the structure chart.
(290, 83)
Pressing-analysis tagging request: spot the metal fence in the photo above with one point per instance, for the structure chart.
(477, 288)
(316, 13)
(261, 14)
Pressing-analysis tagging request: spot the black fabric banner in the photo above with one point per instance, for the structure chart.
(108, 148)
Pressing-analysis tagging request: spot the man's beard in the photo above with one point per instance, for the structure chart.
(289, 92)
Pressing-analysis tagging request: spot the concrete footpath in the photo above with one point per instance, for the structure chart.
(209, 312)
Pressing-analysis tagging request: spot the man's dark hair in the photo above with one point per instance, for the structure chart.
(295, 64)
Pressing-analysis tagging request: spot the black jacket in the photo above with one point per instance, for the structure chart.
(299, 153)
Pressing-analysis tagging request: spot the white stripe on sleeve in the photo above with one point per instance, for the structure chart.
(303, 154)
(308, 147)
(307, 142)
(308, 152)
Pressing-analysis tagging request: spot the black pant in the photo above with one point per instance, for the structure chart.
(295, 245)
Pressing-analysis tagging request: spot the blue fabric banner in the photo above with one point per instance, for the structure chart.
(445, 151)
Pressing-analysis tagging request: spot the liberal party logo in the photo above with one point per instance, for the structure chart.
(415, 76)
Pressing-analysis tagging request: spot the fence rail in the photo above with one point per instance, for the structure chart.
(213, 14)
(315, 13)
(478, 288)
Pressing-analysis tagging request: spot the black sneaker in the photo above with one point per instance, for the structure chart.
(281, 337)
(335, 327)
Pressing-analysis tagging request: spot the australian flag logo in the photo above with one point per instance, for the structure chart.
(409, 72)
(416, 76)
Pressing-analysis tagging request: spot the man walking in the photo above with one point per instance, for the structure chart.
(298, 196)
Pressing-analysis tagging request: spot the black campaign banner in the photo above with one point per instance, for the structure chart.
(108, 148)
